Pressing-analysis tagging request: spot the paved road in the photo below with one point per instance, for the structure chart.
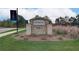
(5, 29)
(8, 33)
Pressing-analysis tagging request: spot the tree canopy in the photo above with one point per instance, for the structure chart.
(8, 23)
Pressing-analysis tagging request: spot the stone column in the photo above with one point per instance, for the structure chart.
(49, 29)
(28, 29)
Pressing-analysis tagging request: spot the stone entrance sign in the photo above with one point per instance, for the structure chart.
(39, 26)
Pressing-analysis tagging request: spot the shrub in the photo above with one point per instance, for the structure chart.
(66, 31)
(60, 32)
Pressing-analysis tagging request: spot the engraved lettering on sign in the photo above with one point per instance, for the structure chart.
(39, 22)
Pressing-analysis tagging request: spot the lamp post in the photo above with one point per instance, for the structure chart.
(14, 17)
(17, 20)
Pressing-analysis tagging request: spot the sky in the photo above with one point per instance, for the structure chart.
(29, 13)
(76, 10)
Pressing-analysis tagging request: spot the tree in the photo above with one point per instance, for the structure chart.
(21, 21)
(8, 23)
(57, 21)
(47, 18)
(72, 20)
(60, 20)
(77, 20)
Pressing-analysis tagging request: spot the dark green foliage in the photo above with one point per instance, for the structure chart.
(9, 23)
(6, 23)
(74, 21)
(22, 22)
(57, 21)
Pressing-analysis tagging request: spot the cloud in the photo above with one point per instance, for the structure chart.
(5, 13)
(52, 13)
(29, 13)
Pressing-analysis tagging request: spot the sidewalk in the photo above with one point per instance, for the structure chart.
(8, 33)
(6, 29)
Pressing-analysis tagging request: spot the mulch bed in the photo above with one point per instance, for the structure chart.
(23, 36)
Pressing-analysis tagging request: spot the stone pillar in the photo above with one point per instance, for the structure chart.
(49, 29)
(28, 29)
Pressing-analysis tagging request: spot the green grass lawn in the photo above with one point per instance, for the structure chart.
(8, 43)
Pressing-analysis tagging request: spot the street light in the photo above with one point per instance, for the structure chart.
(14, 17)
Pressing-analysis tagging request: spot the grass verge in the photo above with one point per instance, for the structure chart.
(9, 43)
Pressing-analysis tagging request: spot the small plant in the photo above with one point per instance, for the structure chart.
(60, 38)
(25, 38)
(60, 32)
(22, 36)
(44, 39)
